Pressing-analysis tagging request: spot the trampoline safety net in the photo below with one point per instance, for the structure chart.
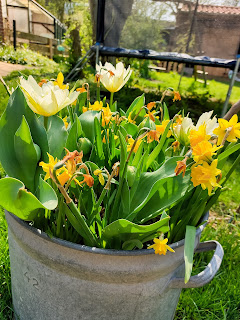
(198, 28)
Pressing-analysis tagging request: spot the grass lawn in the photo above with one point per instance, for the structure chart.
(220, 299)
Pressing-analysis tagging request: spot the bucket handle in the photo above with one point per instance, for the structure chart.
(208, 273)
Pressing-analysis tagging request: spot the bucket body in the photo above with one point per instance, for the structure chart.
(54, 279)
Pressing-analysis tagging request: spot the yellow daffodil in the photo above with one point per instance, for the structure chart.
(161, 128)
(98, 173)
(160, 246)
(198, 135)
(48, 166)
(205, 175)
(209, 123)
(47, 99)
(176, 96)
(130, 120)
(81, 90)
(113, 78)
(130, 144)
(106, 115)
(88, 179)
(97, 106)
(204, 150)
(232, 125)
(59, 82)
(65, 122)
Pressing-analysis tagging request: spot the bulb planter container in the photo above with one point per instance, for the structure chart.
(56, 279)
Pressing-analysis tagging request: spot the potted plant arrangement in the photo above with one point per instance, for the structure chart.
(95, 197)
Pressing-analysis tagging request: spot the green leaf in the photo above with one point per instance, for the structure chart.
(125, 199)
(165, 112)
(123, 230)
(57, 136)
(87, 122)
(74, 133)
(98, 139)
(131, 129)
(131, 244)
(150, 181)
(136, 105)
(169, 191)
(9, 124)
(26, 154)
(153, 155)
(16, 199)
(189, 251)
(81, 101)
(232, 147)
(123, 155)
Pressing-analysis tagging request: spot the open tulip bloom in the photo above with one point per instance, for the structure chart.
(110, 179)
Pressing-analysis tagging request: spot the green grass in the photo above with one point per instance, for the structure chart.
(220, 299)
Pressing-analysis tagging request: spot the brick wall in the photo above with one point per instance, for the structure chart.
(1, 24)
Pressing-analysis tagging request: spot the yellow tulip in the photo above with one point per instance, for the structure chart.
(47, 99)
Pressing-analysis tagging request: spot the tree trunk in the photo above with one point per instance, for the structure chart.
(116, 14)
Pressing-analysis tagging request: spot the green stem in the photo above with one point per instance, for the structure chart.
(111, 101)
(98, 92)
(70, 114)
(45, 122)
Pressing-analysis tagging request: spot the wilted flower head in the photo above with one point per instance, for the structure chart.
(113, 78)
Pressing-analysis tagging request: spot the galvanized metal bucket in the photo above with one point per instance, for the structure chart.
(54, 279)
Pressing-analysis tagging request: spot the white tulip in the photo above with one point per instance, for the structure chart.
(47, 99)
(113, 78)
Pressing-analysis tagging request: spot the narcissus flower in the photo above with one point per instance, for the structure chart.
(232, 125)
(205, 175)
(113, 78)
(47, 99)
(210, 124)
(48, 166)
(150, 105)
(130, 144)
(198, 135)
(151, 115)
(161, 128)
(204, 150)
(59, 82)
(98, 173)
(97, 106)
(106, 115)
(160, 246)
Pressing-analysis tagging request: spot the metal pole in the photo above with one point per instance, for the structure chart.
(14, 35)
(225, 106)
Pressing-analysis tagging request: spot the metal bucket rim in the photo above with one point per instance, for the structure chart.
(88, 249)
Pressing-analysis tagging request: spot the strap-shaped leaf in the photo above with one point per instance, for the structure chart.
(74, 133)
(153, 155)
(16, 199)
(131, 129)
(123, 154)
(98, 139)
(189, 251)
(136, 105)
(57, 136)
(26, 154)
(123, 230)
